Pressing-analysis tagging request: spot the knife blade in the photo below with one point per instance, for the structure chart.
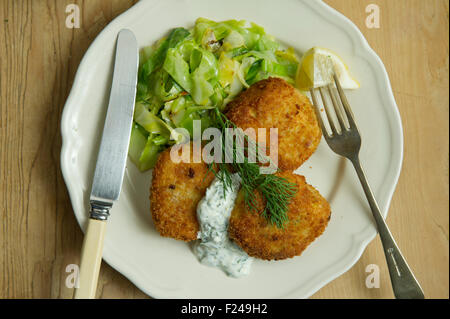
(112, 156)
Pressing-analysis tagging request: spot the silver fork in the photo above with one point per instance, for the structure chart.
(347, 142)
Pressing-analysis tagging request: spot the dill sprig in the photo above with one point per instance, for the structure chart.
(276, 191)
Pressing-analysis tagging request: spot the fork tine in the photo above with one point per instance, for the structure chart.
(327, 111)
(337, 108)
(317, 110)
(347, 109)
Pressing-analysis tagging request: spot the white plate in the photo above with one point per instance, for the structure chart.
(165, 268)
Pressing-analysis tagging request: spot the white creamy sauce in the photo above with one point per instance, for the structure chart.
(215, 248)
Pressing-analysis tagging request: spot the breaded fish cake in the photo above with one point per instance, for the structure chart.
(308, 213)
(273, 103)
(175, 192)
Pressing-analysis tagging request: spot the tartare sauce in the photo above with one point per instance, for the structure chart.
(215, 248)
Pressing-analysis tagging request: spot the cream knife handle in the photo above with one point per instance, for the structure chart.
(91, 259)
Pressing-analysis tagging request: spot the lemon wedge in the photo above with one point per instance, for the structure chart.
(316, 69)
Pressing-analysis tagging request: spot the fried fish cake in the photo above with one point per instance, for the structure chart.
(273, 103)
(175, 192)
(308, 214)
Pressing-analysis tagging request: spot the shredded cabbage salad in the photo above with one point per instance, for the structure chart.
(186, 75)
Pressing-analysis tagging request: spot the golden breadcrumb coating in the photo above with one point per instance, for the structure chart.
(273, 103)
(308, 213)
(175, 192)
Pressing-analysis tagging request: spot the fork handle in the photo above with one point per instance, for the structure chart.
(404, 284)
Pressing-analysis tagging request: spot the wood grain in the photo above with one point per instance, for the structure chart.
(39, 56)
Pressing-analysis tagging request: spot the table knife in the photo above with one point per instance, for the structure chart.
(111, 160)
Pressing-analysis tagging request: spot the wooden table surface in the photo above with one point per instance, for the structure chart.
(39, 56)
